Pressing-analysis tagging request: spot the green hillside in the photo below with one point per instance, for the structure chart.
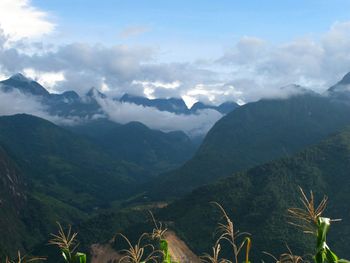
(254, 134)
(257, 200)
(63, 165)
(153, 150)
(63, 177)
(12, 202)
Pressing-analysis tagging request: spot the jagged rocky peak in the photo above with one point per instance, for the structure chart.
(93, 92)
(25, 85)
(20, 77)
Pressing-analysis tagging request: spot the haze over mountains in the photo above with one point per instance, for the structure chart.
(69, 108)
(256, 133)
(90, 171)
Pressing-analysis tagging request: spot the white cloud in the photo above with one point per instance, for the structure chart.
(251, 70)
(193, 125)
(19, 19)
(259, 68)
(16, 102)
(213, 93)
(149, 87)
(47, 79)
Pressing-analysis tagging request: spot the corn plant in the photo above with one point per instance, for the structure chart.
(158, 234)
(68, 245)
(215, 258)
(138, 253)
(310, 220)
(229, 234)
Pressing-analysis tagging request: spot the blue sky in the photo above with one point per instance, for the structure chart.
(205, 50)
(192, 27)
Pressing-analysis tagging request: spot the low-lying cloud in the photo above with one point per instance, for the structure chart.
(197, 124)
(193, 125)
(17, 103)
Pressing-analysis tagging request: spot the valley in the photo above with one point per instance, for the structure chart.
(102, 177)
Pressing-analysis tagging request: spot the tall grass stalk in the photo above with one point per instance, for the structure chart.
(229, 234)
(139, 252)
(310, 219)
(68, 245)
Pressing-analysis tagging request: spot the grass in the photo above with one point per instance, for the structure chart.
(153, 247)
(68, 245)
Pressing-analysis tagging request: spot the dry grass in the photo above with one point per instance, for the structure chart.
(229, 234)
(139, 253)
(159, 230)
(306, 218)
(288, 257)
(215, 258)
(64, 241)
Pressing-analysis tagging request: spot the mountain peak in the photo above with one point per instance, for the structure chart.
(23, 84)
(345, 80)
(20, 77)
(93, 92)
(342, 87)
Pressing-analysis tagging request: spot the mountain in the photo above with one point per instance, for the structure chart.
(50, 174)
(223, 108)
(67, 104)
(23, 84)
(134, 142)
(64, 166)
(69, 107)
(341, 90)
(257, 201)
(177, 106)
(173, 105)
(253, 134)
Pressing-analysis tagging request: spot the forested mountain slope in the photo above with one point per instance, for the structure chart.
(257, 200)
(253, 134)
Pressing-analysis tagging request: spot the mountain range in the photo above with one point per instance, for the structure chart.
(71, 104)
(251, 161)
(49, 173)
(177, 106)
(254, 134)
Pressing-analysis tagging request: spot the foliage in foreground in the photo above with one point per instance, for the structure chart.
(153, 247)
(68, 245)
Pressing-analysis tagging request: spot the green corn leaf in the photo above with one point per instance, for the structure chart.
(81, 257)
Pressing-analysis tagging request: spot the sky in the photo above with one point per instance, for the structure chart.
(212, 51)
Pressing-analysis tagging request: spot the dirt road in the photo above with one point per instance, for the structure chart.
(179, 251)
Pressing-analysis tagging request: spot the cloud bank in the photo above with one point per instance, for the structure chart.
(252, 69)
(17, 103)
(194, 125)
